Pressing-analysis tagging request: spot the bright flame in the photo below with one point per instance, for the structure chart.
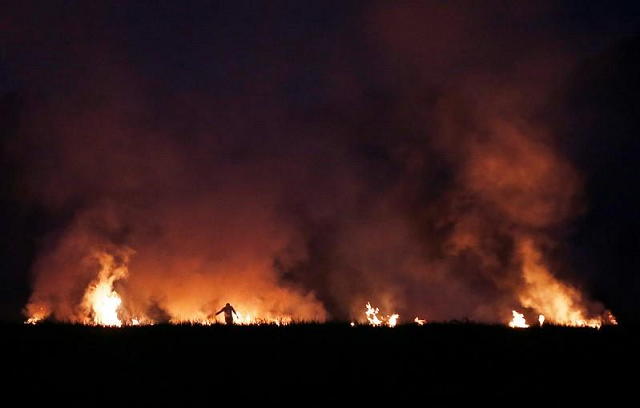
(104, 302)
(541, 320)
(36, 314)
(374, 320)
(239, 319)
(518, 321)
(372, 315)
(419, 322)
(100, 299)
(561, 303)
(32, 320)
(393, 320)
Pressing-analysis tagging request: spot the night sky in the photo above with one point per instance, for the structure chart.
(307, 157)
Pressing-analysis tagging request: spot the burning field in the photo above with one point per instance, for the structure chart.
(463, 217)
(109, 294)
(373, 198)
(381, 167)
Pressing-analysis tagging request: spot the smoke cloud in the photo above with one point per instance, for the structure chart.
(310, 183)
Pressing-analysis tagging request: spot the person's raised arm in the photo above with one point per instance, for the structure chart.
(220, 311)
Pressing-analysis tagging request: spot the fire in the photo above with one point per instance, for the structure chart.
(518, 321)
(240, 320)
(100, 299)
(32, 320)
(101, 304)
(561, 303)
(374, 320)
(104, 302)
(257, 321)
(372, 315)
(36, 314)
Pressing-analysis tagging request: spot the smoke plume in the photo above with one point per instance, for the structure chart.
(309, 184)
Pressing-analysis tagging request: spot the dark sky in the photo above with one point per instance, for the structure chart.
(322, 153)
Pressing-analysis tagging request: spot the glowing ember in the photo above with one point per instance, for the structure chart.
(419, 322)
(541, 320)
(518, 321)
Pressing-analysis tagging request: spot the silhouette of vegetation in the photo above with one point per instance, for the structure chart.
(193, 364)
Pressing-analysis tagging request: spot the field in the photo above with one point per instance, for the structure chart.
(196, 364)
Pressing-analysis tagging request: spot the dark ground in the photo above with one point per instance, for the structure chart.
(186, 365)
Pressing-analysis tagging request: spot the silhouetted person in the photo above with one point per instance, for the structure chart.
(229, 311)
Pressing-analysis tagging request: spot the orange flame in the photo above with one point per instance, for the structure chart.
(518, 321)
(374, 320)
(559, 302)
(100, 299)
(419, 322)
(36, 314)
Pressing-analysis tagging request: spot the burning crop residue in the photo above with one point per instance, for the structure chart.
(518, 321)
(371, 314)
(101, 301)
(555, 301)
(103, 305)
(446, 191)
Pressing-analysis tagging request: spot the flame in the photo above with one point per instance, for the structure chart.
(101, 304)
(104, 302)
(36, 314)
(374, 320)
(561, 303)
(372, 315)
(239, 319)
(32, 320)
(100, 299)
(518, 321)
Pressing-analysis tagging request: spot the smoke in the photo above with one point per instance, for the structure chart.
(427, 186)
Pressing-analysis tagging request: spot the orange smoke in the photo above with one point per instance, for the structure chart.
(102, 304)
(435, 198)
